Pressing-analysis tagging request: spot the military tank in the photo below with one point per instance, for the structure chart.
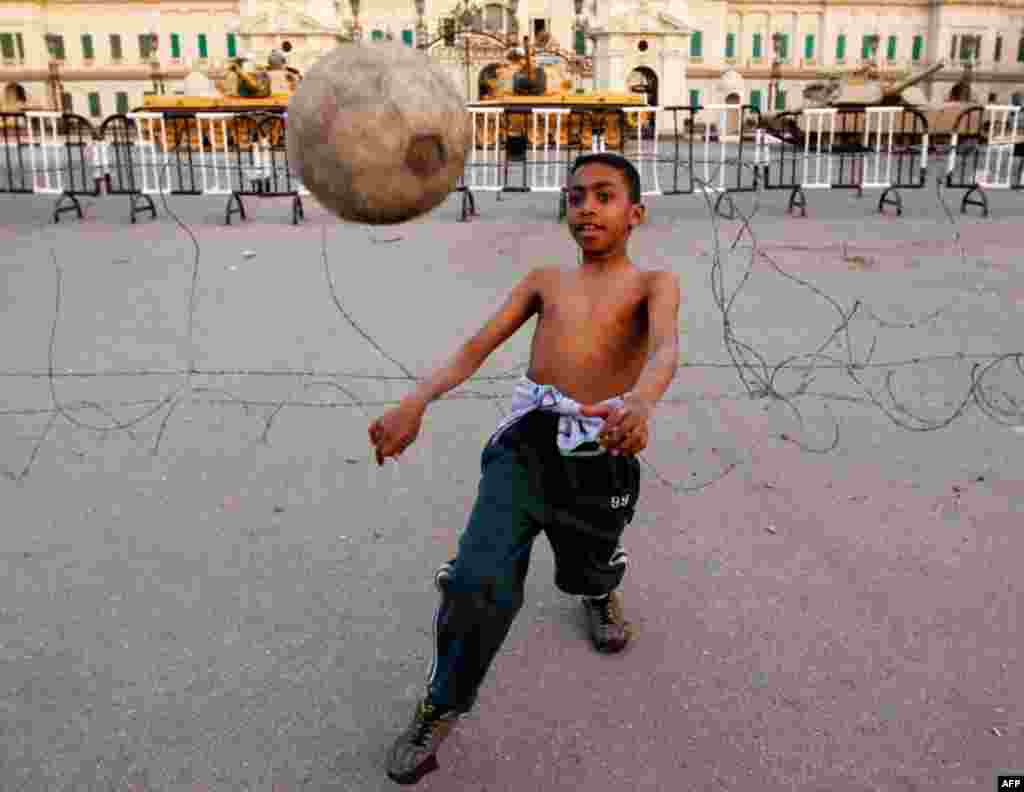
(246, 87)
(522, 84)
(869, 87)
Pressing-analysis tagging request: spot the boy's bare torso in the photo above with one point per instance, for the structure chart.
(592, 338)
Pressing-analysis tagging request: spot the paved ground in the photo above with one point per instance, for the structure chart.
(250, 605)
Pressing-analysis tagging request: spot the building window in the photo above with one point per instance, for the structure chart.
(145, 46)
(730, 45)
(694, 98)
(1020, 50)
(757, 45)
(175, 45)
(780, 100)
(87, 49)
(890, 52)
(203, 51)
(867, 47)
(115, 47)
(997, 54)
(580, 42)
(970, 47)
(952, 47)
(7, 46)
(809, 47)
(755, 100)
(918, 48)
(67, 105)
(695, 44)
(232, 46)
(407, 38)
(55, 46)
(783, 48)
(94, 105)
(122, 101)
(20, 41)
(377, 35)
(841, 48)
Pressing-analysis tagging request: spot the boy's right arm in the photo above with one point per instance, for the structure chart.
(393, 432)
(521, 304)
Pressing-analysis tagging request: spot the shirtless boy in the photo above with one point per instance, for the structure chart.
(564, 462)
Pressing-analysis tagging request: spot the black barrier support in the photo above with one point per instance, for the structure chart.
(298, 212)
(468, 204)
(970, 200)
(74, 206)
(798, 200)
(891, 197)
(139, 203)
(729, 211)
(235, 200)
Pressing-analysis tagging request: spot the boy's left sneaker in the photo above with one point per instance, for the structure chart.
(609, 629)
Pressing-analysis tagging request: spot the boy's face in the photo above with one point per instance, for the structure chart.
(600, 212)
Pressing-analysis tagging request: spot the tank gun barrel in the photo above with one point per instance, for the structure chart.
(899, 87)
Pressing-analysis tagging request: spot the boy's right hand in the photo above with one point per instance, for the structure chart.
(396, 430)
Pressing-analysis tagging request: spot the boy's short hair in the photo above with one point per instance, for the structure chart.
(620, 163)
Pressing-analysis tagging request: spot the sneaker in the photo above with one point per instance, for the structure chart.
(414, 753)
(609, 629)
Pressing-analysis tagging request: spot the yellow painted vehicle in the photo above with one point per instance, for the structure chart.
(253, 92)
(520, 85)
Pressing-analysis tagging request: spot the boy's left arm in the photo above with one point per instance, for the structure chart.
(625, 430)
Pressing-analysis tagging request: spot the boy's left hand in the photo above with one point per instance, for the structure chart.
(625, 429)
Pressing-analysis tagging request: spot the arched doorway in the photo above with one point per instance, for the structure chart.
(487, 81)
(643, 80)
(732, 119)
(15, 97)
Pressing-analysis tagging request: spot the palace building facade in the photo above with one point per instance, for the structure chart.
(100, 57)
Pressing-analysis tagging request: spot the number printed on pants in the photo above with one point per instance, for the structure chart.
(619, 502)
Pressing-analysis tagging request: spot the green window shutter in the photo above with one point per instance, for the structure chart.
(784, 49)
(918, 47)
(755, 100)
(997, 55)
(780, 100)
(377, 35)
(695, 44)
(407, 38)
(809, 46)
(87, 50)
(67, 103)
(730, 45)
(6, 45)
(757, 45)
(694, 98)
(203, 52)
(232, 46)
(580, 43)
(122, 102)
(94, 105)
(175, 45)
(1020, 50)
(21, 45)
(841, 48)
(891, 49)
(115, 46)
(58, 48)
(144, 45)
(865, 47)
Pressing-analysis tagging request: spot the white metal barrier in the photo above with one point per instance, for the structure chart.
(821, 121)
(548, 169)
(646, 160)
(716, 153)
(483, 170)
(216, 175)
(47, 153)
(1003, 127)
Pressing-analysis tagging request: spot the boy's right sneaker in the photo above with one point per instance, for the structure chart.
(414, 753)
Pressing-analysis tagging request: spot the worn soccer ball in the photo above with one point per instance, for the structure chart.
(378, 133)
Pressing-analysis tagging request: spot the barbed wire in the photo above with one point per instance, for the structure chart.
(760, 378)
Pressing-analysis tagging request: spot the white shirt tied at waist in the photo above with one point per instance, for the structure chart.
(574, 430)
